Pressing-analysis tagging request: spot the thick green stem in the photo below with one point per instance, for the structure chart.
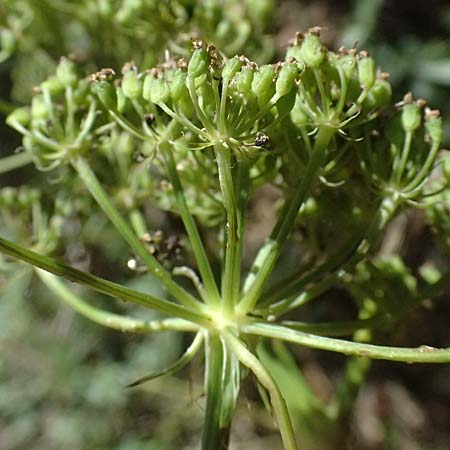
(231, 274)
(212, 293)
(101, 285)
(106, 318)
(269, 253)
(421, 354)
(96, 190)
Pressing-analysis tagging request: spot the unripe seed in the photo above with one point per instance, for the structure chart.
(348, 64)
(177, 85)
(313, 52)
(122, 100)
(231, 67)
(107, 94)
(366, 72)
(411, 117)
(286, 78)
(294, 55)
(262, 84)
(198, 65)
(243, 80)
(379, 96)
(156, 90)
(131, 85)
(66, 73)
(433, 125)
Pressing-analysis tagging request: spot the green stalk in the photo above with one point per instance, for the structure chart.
(212, 292)
(101, 285)
(231, 273)
(15, 161)
(421, 354)
(96, 190)
(249, 360)
(270, 251)
(106, 318)
(336, 329)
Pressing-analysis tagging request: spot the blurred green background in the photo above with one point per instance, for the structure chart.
(62, 378)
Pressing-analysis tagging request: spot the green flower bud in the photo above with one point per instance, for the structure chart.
(39, 110)
(53, 86)
(177, 85)
(366, 72)
(156, 90)
(230, 68)
(313, 52)
(379, 96)
(243, 80)
(433, 125)
(411, 117)
(19, 116)
(131, 85)
(66, 72)
(198, 65)
(263, 85)
(286, 79)
(107, 94)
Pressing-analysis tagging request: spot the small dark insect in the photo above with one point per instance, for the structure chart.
(261, 139)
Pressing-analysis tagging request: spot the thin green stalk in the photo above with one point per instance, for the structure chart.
(231, 276)
(213, 296)
(398, 171)
(421, 354)
(249, 360)
(101, 285)
(15, 161)
(270, 251)
(106, 318)
(96, 190)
